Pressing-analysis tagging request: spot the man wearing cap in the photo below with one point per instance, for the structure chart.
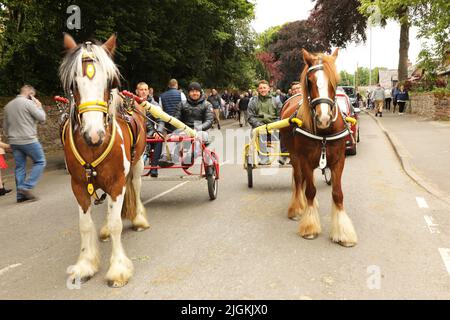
(197, 113)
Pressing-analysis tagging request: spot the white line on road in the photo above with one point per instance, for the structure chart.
(165, 192)
(445, 254)
(4, 270)
(174, 188)
(433, 227)
(422, 203)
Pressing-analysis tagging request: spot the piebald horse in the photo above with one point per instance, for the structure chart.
(101, 152)
(319, 142)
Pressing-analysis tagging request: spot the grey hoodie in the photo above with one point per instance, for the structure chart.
(20, 120)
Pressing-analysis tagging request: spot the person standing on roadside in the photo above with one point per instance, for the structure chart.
(378, 97)
(215, 101)
(20, 125)
(402, 99)
(3, 165)
(243, 109)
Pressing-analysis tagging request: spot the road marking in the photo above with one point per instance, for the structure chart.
(445, 254)
(422, 203)
(174, 188)
(165, 192)
(4, 270)
(433, 227)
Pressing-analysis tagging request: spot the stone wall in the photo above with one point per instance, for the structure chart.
(48, 133)
(435, 106)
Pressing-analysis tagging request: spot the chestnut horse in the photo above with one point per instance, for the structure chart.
(101, 152)
(319, 142)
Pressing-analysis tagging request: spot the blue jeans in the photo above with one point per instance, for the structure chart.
(21, 152)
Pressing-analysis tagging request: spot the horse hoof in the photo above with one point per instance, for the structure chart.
(294, 218)
(104, 239)
(140, 229)
(85, 279)
(116, 283)
(310, 236)
(347, 244)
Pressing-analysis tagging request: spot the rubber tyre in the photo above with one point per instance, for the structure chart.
(213, 185)
(249, 174)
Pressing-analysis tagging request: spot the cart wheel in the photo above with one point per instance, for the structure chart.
(327, 175)
(250, 174)
(213, 185)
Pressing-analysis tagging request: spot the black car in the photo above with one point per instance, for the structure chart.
(350, 91)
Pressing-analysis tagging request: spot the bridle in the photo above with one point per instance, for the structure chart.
(88, 67)
(319, 100)
(88, 59)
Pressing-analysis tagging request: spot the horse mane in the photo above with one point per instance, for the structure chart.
(72, 65)
(333, 77)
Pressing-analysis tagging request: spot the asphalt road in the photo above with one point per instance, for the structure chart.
(242, 246)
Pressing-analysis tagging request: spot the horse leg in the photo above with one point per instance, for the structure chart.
(298, 196)
(342, 230)
(309, 227)
(104, 231)
(140, 222)
(89, 259)
(121, 268)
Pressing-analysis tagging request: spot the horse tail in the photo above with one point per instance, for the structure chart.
(129, 208)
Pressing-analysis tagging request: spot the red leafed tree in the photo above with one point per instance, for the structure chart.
(271, 65)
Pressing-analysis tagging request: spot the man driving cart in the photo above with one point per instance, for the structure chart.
(196, 113)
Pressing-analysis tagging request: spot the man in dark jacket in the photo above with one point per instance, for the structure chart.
(243, 107)
(197, 114)
(170, 99)
(215, 101)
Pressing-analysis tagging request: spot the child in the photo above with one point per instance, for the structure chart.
(3, 165)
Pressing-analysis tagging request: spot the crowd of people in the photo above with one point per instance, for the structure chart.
(198, 108)
(381, 99)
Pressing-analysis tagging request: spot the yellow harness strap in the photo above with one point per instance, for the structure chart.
(94, 164)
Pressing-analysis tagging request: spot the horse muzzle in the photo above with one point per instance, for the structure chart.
(94, 138)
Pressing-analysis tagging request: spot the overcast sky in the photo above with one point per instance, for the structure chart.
(385, 41)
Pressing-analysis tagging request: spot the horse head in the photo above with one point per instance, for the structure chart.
(320, 82)
(89, 75)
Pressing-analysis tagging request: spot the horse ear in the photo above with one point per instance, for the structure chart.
(307, 57)
(110, 44)
(69, 43)
(335, 53)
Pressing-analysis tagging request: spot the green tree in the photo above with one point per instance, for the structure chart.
(400, 10)
(207, 40)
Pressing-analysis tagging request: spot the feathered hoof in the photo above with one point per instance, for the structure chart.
(310, 236)
(140, 228)
(346, 244)
(104, 238)
(115, 284)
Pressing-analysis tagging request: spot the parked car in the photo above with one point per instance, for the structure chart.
(348, 110)
(350, 91)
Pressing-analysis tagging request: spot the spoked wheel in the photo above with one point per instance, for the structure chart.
(327, 175)
(249, 173)
(213, 180)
